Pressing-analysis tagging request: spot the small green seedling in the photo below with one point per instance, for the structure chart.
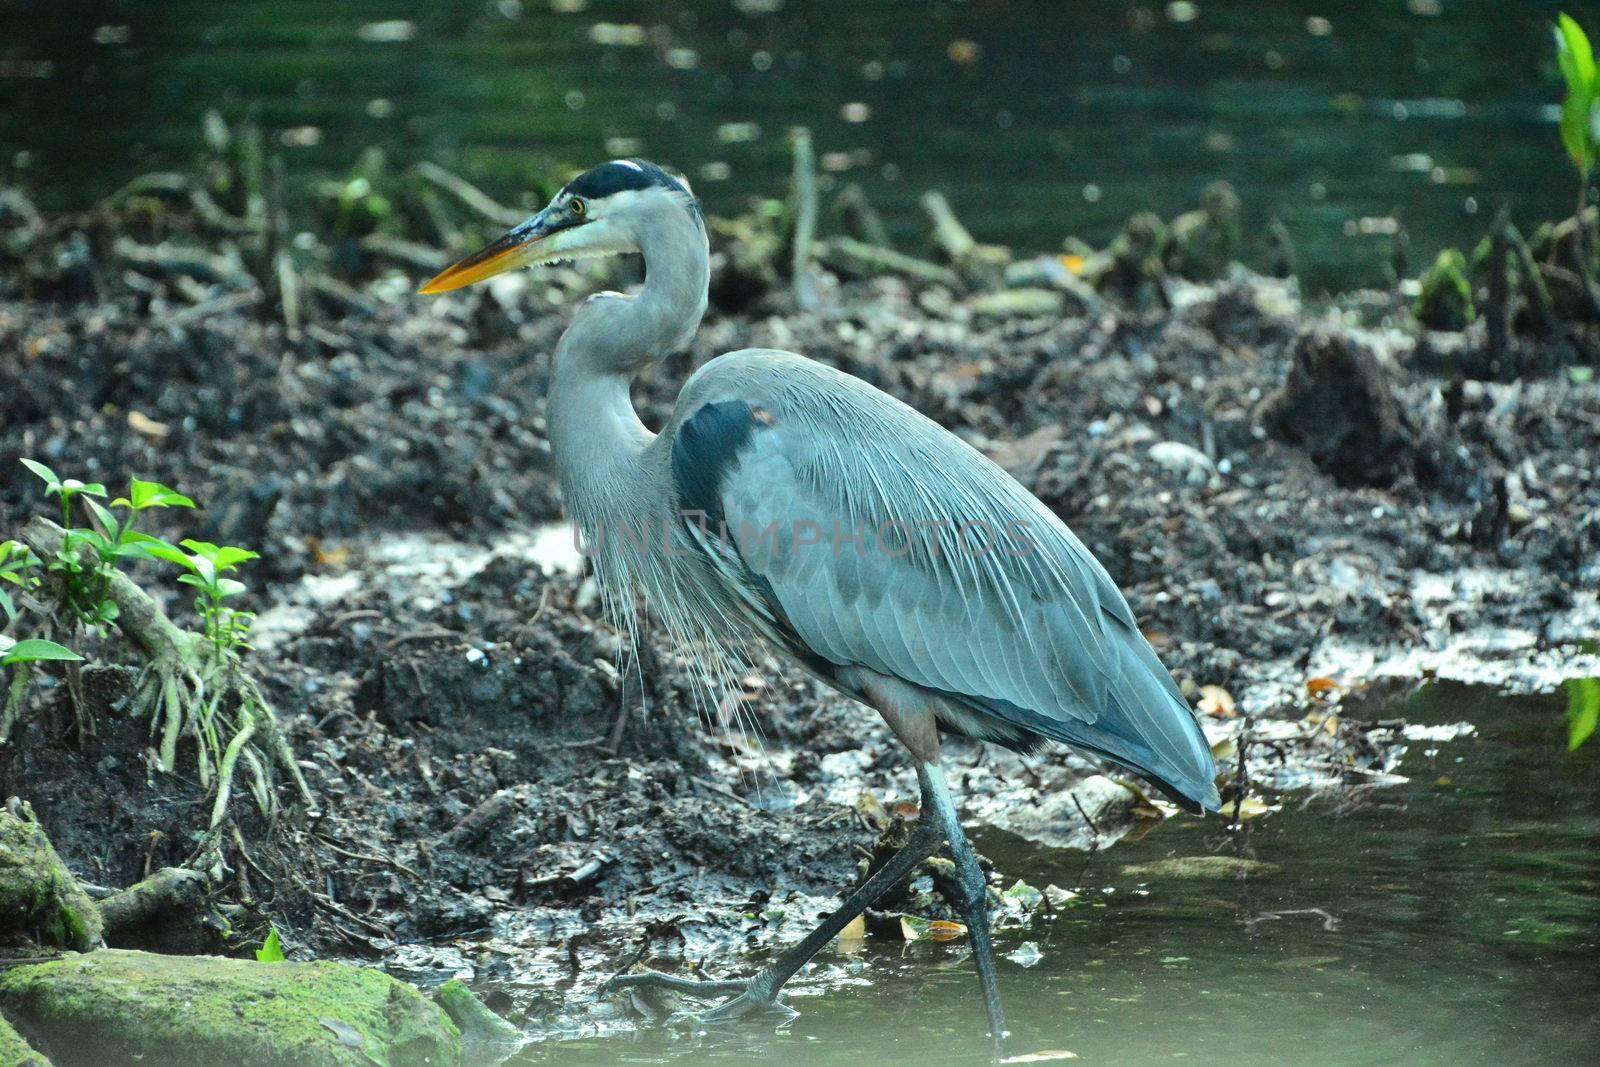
(208, 568)
(271, 950)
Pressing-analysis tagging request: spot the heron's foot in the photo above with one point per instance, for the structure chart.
(693, 987)
(751, 997)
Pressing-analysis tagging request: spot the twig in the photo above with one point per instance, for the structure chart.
(804, 179)
(858, 257)
(396, 864)
(217, 306)
(469, 195)
(859, 218)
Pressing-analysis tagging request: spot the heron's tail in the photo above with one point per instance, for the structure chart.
(1146, 725)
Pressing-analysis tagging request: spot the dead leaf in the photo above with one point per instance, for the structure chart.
(1042, 1056)
(327, 557)
(1322, 688)
(871, 809)
(913, 928)
(1250, 808)
(141, 423)
(1217, 702)
(1074, 263)
(853, 933)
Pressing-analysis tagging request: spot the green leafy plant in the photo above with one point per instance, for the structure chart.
(208, 568)
(1580, 120)
(193, 683)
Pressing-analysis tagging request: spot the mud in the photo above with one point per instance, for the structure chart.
(1288, 493)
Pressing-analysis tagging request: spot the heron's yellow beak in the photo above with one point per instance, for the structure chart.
(518, 247)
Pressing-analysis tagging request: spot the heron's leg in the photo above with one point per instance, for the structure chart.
(974, 905)
(761, 990)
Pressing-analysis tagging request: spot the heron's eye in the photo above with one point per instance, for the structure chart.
(578, 206)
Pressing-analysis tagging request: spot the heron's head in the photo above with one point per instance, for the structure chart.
(606, 211)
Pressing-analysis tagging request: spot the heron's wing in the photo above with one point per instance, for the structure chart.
(867, 535)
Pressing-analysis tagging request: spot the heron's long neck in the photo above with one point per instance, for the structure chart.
(595, 434)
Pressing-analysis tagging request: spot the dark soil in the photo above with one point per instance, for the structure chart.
(1266, 481)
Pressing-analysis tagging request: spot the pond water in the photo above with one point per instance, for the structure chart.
(1454, 919)
(1039, 119)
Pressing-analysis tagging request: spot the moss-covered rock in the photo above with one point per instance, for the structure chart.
(15, 1052)
(1444, 301)
(116, 1006)
(40, 901)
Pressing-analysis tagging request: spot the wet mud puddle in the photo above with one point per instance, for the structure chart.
(1454, 918)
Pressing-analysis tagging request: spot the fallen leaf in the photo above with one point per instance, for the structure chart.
(1023, 895)
(1026, 954)
(1058, 897)
(141, 423)
(327, 557)
(1250, 808)
(1217, 702)
(913, 928)
(1042, 1056)
(853, 933)
(1322, 688)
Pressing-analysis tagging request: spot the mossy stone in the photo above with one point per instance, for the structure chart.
(40, 900)
(15, 1052)
(126, 1007)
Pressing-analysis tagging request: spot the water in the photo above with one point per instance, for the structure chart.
(1458, 922)
(1039, 119)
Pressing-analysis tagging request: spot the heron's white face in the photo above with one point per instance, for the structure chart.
(573, 226)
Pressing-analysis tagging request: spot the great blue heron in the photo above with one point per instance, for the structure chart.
(874, 549)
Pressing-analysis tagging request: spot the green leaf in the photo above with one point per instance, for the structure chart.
(194, 580)
(1575, 130)
(142, 495)
(228, 587)
(73, 487)
(1583, 710)
(107, 611)
(1574, 55)
(271, 950)
(224, 557)
(108, 522)
(43, 472)
(35, 650)
(158, 549)
(6, 605)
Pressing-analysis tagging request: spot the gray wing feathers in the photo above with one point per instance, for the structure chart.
(1045, 635)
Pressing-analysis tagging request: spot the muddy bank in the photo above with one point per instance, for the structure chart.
(1291, 495)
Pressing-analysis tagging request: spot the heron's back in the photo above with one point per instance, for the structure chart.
(1028, 640)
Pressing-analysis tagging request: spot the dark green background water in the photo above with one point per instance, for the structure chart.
(1072, 115)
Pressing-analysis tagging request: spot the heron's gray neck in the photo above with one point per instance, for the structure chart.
(595, 434)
